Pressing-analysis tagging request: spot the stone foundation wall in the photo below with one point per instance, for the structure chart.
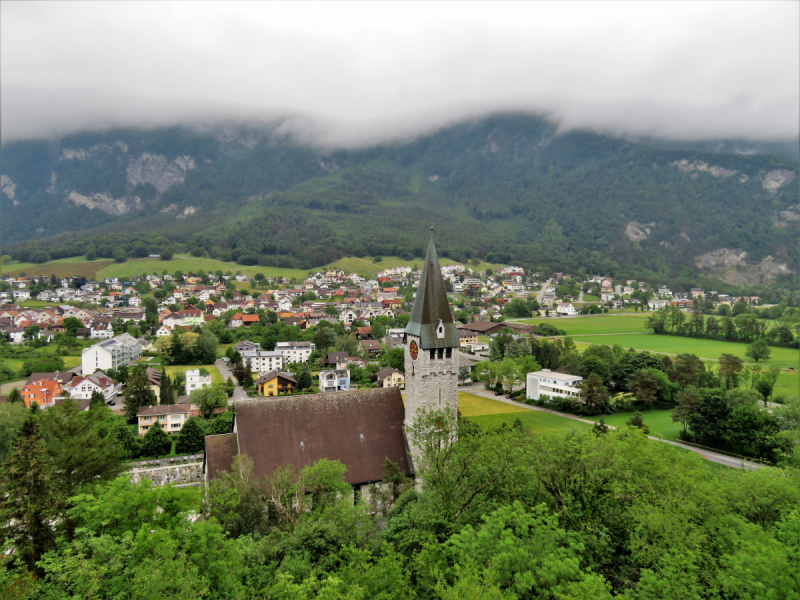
(184, 470)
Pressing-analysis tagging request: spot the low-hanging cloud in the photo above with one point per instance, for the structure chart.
(341, 74)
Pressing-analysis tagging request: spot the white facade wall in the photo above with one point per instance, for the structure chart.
(542, 383)
(195, 381)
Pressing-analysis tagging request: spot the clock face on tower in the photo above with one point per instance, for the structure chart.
(414, 350)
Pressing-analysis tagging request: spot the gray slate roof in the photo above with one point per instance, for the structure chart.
(431, 307)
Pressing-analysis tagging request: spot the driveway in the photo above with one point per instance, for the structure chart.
(728, 461)
(238, 393)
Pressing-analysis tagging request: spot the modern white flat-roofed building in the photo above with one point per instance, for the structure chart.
(117, 352)
(260, 361)
(295, 351)
(549, 383)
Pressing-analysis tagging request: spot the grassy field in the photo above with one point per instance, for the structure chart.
(102, 268)
(597, 324)
(711, 349)
(535, 422)
(591, 298)
(787, 386)
(659, 422)
(212, 370)
(471, 405)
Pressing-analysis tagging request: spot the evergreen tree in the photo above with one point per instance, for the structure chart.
(304, 380)
(157, 442)
(125, 438)
(166, 393)
(230, 387)
(14, 396)
(80, 450)
(138, 394)
(29, 500)
(247, 379)
(97, 399)
(191, 438)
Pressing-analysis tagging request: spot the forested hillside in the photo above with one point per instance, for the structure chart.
(505, 189)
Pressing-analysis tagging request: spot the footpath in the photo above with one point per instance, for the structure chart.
(717, 457)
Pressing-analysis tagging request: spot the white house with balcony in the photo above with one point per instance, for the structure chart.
(335, 380)
(550, 383)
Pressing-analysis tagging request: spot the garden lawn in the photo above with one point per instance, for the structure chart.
(710, 349)
(535, 422)
(595, 324)
(659, 422)
(591, 298)
(472, 405)
(212, 370)
(787, 386)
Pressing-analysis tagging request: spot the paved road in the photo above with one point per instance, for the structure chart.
(580, 295)
(540, 293)
(6, 388)
(716, 457)
(239, 393)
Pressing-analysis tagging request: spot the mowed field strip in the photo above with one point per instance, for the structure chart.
(710, 349)
(597, 324)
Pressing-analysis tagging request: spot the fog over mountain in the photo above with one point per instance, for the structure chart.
(354, 74)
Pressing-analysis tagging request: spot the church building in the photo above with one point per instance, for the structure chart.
(359, 428)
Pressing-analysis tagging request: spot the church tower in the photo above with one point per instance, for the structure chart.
(432, 343)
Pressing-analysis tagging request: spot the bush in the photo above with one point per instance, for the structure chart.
(166, 255)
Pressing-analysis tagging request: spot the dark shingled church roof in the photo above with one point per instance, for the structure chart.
(361, 429)
(432, 307)
(220, 452)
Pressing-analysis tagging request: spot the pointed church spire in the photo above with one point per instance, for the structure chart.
(430, 318)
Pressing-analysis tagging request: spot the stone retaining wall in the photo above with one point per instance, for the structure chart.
(190, 473)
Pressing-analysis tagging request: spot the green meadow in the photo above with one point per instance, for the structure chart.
(595, 324)
(709, 349)
(535, 422)
(659, 422)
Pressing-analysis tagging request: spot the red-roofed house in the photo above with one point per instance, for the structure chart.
(43, 392)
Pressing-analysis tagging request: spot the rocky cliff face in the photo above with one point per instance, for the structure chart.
(730, 265)
(104, 202)
(8, 187)
(158, 171)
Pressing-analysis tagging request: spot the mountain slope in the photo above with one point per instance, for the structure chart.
(507, 189)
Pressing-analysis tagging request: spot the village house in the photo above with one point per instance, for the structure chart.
(335, 380)
(171, 417)
(275, 383)
(196, 381)
(566, 309)
(43, 392)
(390, 377)
(82, 386)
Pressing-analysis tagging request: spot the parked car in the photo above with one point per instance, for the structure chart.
(498, 393)
(112, 403)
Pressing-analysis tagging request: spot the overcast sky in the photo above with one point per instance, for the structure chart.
(356, 73)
